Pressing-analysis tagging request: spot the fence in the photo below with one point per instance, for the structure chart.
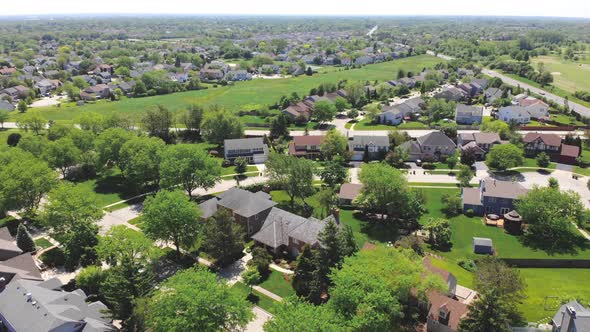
(544, 128)
(548, 263)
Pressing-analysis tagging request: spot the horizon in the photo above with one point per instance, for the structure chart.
(305, 8)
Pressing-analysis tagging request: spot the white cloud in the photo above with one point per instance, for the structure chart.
(566, 8)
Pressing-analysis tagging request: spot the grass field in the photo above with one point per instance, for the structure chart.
(109, 187)
(234, 97)
(366, 124)
(567, 75)
(276, 283)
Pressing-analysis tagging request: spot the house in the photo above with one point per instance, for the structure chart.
(535, 143)
(391, 115)
(348, 192)
(6, 106)
(99, 91)
(569, 154)
(285, 231)
(517, 114)
(248, 209)
(300, 110)
(433, 146)
(253, 149)
(211, 74)
(451, 94)
(444, 313)
(306, 146)
(32, 305)
(468, 115)
(14, 263)
(16, 92)
(374, 147)
(492, 197)
(238, 75)
(46, 86)
(493, 94)
(483, 246)
(4, 71)
(537, 108)
(571, 317)
(483, 140)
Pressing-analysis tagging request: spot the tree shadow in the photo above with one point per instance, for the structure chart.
(563, 245)
(382, 230)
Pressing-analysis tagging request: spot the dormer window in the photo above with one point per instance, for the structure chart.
(442, 314)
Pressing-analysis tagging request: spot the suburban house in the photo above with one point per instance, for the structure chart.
(16, 92)
(535, 143)
(253, 149)
(14, 263)
(475, 87)
(517, 114)
(373, 146)
(468, 115)
(275, 228)
(396, 113)
(32, 305)
(6, 106)
(483, 140)
(451, 94)
(536, 108)
(299, 110)
(571, 317)
(285, 231)
(306, 146)
(492, 94)
(569, 154)
(492, 197)
(238, 75)
(432, 146)
(391, 115)
(98, 91)
(348, 192)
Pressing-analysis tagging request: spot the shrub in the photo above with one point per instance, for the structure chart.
(469, 212)
(467, 264)
(53, 258)
(428, 166)
(24, 240)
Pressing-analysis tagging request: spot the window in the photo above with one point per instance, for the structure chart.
(504, 210)
(442, 314)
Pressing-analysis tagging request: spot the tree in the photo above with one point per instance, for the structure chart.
(3, 117)
(341, 104)
(170, 217)
(439, 109)
(123, 285)
(549, 214)
(24, 180)
(372, 112)
(122, 245)
(92, 122)
(452, 161)
(261, 260)
(307, 264)
(468, 156)
(251, 277)
(89, 279)
(324, 111)
(499, 127)
(62, 154)
(219, 125)
(386, 192)
(109, 143)
(241, 165)
(330, 245)
(223, 238)
(495, 274)
(452, 204)
(348, 244)
(24, 240)
(279, 126)
(192, 118)
(72, 214)
(488, 313)
(465, 175)
(504, 156)
(326, 197)
(34, 144)
(369, 292)
(553, 183)
(333, 173)
(334, 144)
(297, 315)
(139, 159)
(179, 304)
(33, 121)
(157, 122)
(22, 106)
(295, 175)
(542, 160)
(13, 139)
(190, 166)
(439, 233)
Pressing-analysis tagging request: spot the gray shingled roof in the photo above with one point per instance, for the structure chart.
(244, 202)
(582, 320)
(503, 189)
(370, 140)
(412, 147)
(482, 241)
(20, 267)
(49, 307)
(277, 226)
(209, 207)
(466, 110)
(243, 143)
(436, 138)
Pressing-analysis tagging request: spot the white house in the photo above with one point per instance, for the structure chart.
(514, 113)
(253, 149)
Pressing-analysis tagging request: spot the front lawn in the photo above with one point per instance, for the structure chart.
(109, 187)
(43, 243)
(366, 124)
(532, 162)
(278, 283)
(256, 298)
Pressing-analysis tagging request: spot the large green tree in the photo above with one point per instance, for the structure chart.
(194, 300)
(62, 154)
(157, 122)
(296, 315)
(334, 144)
(324, 111)
(294, 175)
(190, 166)
(140, 161)
(219, 125)
(504, 156)
(109, 143)
(169, 216)
(223, 238)
(487, 314)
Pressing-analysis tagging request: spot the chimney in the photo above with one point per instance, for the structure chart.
(29, 297)
(2, 283)
(336, 214)
(572, 312)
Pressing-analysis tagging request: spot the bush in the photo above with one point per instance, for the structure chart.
(428, 166)
(89, 279)
(467, 264)
(260, 260)
(53, 258)
(469, 212)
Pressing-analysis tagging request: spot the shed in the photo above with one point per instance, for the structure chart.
(483, 246)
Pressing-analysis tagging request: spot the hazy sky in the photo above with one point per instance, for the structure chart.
(566, 8)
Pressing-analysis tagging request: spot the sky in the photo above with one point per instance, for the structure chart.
(553, 8)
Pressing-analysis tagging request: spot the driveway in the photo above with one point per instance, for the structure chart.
(119, 217)
(260, 317)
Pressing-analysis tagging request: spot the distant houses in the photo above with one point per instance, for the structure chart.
(468, 115)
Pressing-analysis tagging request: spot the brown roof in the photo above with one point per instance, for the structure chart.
(308, 140)
(531, 101)
(350, 190)
(486, 138)
(471, 196)
(570, 150)
(455, 309)
(547, 139)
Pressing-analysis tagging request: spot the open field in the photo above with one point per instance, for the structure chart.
(261, 92)
(567, 75)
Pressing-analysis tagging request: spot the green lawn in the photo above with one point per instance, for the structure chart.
(234, 97)
(433, 202)
(43, 243)
(531, 162)
(366, 124)
(276, 283)
(232, 169)
(257, 298)
(567, 75)
(109, 187)
(464, 277)
(4, 133)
